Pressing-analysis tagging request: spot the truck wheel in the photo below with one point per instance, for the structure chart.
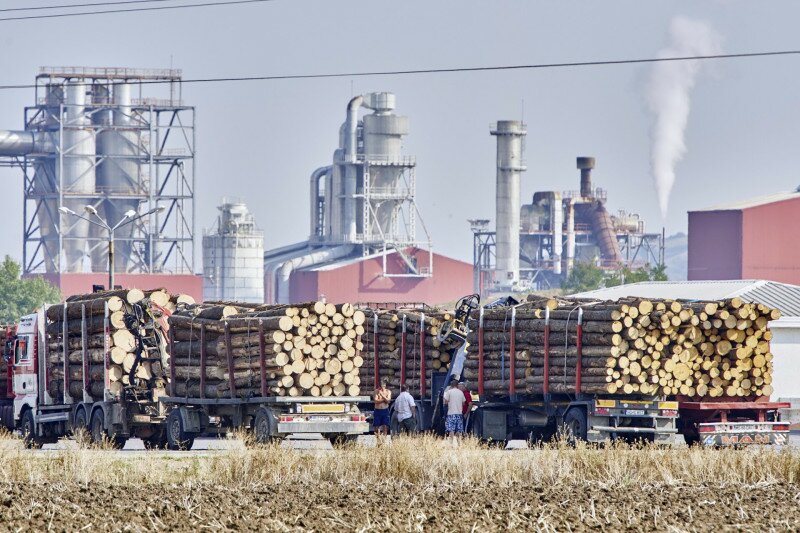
(80, 431)
(28, 429)
(263, 426)
(7, 415)
(177, 438)
(574, 428)
(100, 436)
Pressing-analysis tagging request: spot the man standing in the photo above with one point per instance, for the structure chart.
(406, 410)
(381, 397)
(454, 400)
(467, 399)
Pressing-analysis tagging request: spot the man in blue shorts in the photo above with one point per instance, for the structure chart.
(454, 400)
(380, 418)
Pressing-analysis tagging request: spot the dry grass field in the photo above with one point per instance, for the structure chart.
(410, 485)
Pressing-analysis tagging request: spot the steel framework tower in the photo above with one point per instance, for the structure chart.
(93, 138)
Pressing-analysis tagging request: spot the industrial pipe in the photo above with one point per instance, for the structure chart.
(310, 259)
(556, 230)
(606, 237)
(570, 202)
(510, 138)
(16, 143)
(586, 164)
(351, 145)
(317, 231)
(271, 266)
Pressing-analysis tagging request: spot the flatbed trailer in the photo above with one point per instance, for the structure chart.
(269, 418)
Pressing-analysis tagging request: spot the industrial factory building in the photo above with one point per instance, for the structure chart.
(97, 142)
(746, 240)
(534, 246)
(364, 244)
(233, 256)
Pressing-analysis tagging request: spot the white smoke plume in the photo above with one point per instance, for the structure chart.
(668, 96)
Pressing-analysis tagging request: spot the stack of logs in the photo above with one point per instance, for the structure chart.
(132, 313)
(308, 349)
(631, 346)
(420, 339)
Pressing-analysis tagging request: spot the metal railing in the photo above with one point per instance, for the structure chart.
(109, 73)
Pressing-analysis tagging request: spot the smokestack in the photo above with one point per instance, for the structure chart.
(510, 135)
(586, 164)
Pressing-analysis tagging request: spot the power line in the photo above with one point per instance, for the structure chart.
(73, 6)
(131, 10)
(535, 66)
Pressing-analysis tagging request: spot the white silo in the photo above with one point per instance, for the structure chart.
(233, 256)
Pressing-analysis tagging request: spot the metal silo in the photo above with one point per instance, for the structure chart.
(119, 175)
(76, 168)
(383, 140)
(233, 256)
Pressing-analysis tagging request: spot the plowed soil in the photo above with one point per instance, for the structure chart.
(398, 507)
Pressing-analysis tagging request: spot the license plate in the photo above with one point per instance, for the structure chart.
(634, 412)
(748, 427)
(319, 418)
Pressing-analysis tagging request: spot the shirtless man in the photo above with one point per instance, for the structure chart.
(381, 397)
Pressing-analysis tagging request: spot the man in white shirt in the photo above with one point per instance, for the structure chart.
(406, 410)
(454, 400)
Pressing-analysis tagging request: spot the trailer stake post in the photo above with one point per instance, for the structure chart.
(375, 369)
(546, 369)
(203, 360)
(403, 354)
(228, 347)
(87, 390)
(422, 383)
(262, 356)
(172, 363)
(512, 352)
(480, 353)
(579, 352)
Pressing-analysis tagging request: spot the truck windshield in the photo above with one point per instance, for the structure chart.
(21, 353)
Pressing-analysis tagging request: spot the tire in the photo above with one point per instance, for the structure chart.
(575, 426)
(263, 427)
(28, 428)
(7, 415)
(80, 430)
(96, 429)
(177, 438)
(99, 434)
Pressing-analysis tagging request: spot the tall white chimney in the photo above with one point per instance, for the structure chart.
(510, 135)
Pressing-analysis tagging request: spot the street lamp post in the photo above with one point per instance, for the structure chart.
(129, 217)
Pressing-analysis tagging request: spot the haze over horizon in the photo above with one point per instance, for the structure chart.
(261, 140)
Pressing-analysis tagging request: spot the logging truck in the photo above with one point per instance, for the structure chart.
(107, 413)
(85, 391)
(505, 414)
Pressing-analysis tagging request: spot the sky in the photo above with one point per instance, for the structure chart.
(261, 140)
